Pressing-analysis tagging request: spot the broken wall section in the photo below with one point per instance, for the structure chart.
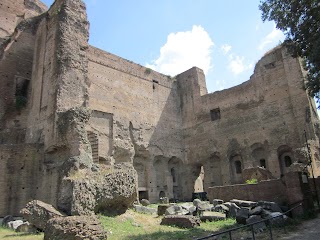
(59, 84)
(13, 12)
(50, 128)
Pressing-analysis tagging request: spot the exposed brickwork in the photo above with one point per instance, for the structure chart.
(170, 129)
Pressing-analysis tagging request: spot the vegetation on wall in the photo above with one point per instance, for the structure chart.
(251, 181)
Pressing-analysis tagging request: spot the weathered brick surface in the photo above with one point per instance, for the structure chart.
(271, 190)
(168, 128)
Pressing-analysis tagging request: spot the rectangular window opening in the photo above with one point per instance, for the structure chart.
(215, 114)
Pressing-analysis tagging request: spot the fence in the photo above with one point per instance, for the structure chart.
(229, 232)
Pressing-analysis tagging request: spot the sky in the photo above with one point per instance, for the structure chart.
(224, 38)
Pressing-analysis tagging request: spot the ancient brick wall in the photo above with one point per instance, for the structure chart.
(49, 129)
(145, 126)
(168, 128)
(270, 190)
(13, 12)
(260, 122)
(24, 177)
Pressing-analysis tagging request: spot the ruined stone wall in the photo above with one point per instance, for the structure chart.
(46, 58)
(260, 122)
(13, 12)
(270, 190)
(70, 106)
(24, 177)
(139, 119)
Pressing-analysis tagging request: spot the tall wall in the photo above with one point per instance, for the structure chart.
(260, 122)
(67, 106)
(43, 137)
(141, 116)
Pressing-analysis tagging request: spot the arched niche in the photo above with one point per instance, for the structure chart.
(142, 176)
(175, 171)
(236, 167)
(212, 172)
(159, 165)
(260, 157)
(285, 157)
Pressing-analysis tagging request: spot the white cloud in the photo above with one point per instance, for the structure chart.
(225, 48)
(237, 64)
(184, 50)
(272, 38)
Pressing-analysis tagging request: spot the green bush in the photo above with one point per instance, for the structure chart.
(251, 181)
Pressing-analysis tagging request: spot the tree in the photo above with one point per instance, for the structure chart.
(300, 22)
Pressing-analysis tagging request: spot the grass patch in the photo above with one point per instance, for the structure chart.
(134, 226)
(9, 234)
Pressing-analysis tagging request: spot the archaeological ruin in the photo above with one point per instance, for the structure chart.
(69, 110)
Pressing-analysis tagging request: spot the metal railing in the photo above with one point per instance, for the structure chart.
(229, 231)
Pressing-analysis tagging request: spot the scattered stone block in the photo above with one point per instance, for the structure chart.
(162, 209)
(26, 227)
(176, 210)
(186, 221)
(196, 202)
(227, 204)
(186, 206)
(212, 216)
(233, 209)
(7, 219)
(256, 210)
(14, 224)
(221, 208)
(205, 206)
(145, 210)
(145, 202)
(75, 228)
(259, 227)
(39, 213)
(242, 215)
(278, 219)
(272, 206)
(111, 192)
(216, 202)
(243, 203)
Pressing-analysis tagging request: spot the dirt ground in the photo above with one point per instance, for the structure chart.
(308, 230)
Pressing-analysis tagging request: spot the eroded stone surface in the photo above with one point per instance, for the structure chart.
(110, 191)
(75, 228)
(39, 213)
(181, 221)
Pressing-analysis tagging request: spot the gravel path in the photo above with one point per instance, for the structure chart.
(309, 230)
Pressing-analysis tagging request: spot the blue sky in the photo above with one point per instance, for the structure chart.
(224, 38)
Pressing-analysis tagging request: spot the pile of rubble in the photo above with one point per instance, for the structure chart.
(43, 217)
(190, 215)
